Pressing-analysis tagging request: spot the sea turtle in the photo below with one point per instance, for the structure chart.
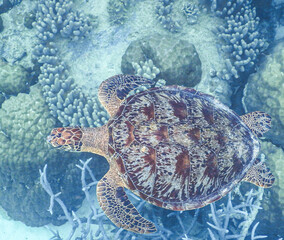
(175, 147)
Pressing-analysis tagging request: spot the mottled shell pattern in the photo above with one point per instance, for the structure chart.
(178, 148)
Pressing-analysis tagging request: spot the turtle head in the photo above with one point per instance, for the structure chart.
(66, 138)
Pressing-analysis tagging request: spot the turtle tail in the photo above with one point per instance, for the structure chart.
(66, 138)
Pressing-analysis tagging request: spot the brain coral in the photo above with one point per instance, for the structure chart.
(264, 92)
(13, 78)
(176, 59)
(25, 122)
(275, 204)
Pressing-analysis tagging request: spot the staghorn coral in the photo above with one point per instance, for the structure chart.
(233, 221)
(94, 223)
(25, 122)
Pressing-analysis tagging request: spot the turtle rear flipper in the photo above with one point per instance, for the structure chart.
(259, 122)
(115, 89)
(260, 175)
(117, 207)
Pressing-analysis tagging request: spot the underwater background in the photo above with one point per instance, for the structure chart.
(55, 54)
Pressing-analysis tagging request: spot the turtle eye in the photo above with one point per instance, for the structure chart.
(55, 138)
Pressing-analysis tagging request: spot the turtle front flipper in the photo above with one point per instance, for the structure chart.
(258, 122)
(115, 89)
(259, 174)
(117, 207)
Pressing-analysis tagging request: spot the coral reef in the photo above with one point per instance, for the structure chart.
(25, 122)
(54, 17)
(176, 59)
(56, 26)
(164, 11)
(14, 78)
(191, 11)
(264, 92)
(146, 69)
(275, 156)
(241, 39)
(6, 5)
(16, 41)
(233, 221)
(95, 224)
(2, 98)
(117, 10)
(1, 25)
(66, 101)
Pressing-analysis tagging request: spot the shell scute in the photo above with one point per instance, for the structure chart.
(181, 149)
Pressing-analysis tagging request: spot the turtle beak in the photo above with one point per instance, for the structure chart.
(51, 138)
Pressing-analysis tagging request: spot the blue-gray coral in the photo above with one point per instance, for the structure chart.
(25, 122)
(179, 223)
(6, 5)
(240, 35)
(54, 17)
(66, 101)
(1, 25)
(191, 11)
(146, 69)
(177, 60)
(273, 204)
(117, 10)
(14, 78)
(164, 11)
(264, 92)
(233, 221)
